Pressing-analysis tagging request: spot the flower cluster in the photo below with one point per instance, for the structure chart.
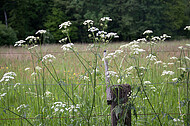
(134, 47)
(63, 40)
(60, 107)
(112, 55)
(22, 107)
(67, 47)
(2, 95)
(187, 28)
(41, 32)
(84, 78)
(30, 38)
(48, 57)
(147, 32)
(88, 22)
(106, 19)
(8, 76)
(65, 25)
(167, 73)
(93, 29)
(151, 57)
(111, 73)
(19, 43)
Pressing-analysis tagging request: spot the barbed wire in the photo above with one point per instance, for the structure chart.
(64, 84)
(84, 51)
(94, 116)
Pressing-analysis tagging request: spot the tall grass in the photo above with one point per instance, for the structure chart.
(71, 89)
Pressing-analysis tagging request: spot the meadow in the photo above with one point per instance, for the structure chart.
(64, 84)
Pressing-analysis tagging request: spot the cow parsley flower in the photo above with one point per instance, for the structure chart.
(63, 40)
(158, 62)
(67, 47)
(19, 43)
(30, 38)
(174, 58)
(147, 82)
(167, 73)
(187, 28)
(93, 29)
(106, 19)
(41, 32)
(7, 76)
(65, 25)
(48, 57)
(90, 22)
(111, 73)
(151, 57)
(147, 32)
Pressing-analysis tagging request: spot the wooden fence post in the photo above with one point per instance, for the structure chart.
(117, 97)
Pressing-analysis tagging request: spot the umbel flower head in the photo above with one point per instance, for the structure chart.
(65, 25)
(187, 28)
(8, 76)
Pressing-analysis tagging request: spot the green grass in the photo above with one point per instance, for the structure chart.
(164, 97)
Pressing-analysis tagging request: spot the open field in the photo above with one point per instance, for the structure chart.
(34, 96)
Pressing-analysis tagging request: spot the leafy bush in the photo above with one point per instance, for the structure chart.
(7, 35)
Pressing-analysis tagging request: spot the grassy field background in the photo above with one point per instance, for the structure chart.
(40, 93)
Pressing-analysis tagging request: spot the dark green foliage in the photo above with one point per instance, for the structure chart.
(130, 17)
(7, 35)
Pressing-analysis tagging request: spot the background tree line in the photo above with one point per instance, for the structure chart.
(21, 18)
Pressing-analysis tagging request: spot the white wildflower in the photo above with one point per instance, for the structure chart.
(7, 76)
(32, 47)
(173, 58)
(31, 38)
(19, 43)
(158, 62)
(88, 22)
(41, 32)
(188, 45)
(2, 95)
(151, 57)
(23, 106)
(63, 40)
(147, 82)
(111, 73)
(38, 68)
(67, 47)
(26, 68)
(93, 29)
(106, 19)
(164, 37)
(170, 63)
(187, 28)
(156, 38)
(141, 40)
(187, 58)
(33, 74)
(167, 73)
(65, 25)
(174, 79)
(176, 120)
(181, 68)
(16, 85)
(118, 81)
(180, 47)
(147, 32)
(111, 34)
(48, 57)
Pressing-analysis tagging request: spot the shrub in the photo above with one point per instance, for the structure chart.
(7, 35)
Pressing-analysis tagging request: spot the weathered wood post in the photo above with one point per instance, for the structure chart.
(117, 97)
